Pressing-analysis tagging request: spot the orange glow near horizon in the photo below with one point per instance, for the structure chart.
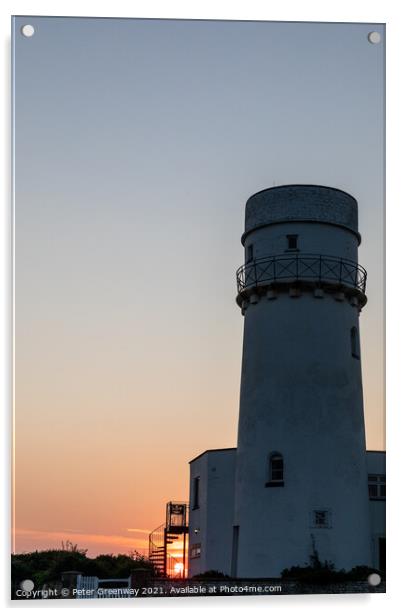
(100, 475)
(95, 544)
(176, 550)
(99, 544)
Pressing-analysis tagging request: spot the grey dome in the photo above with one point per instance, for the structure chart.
(303, 203)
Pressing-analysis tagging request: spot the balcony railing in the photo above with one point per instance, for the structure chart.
(318, 268)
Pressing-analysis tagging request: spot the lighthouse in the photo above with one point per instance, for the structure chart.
(300, 482)
(301, 478)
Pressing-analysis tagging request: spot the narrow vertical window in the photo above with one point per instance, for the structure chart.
(381, 554)
(250, 253)
(354, 342)
(275, 470)
(196, 493)
(235, 550)
(292, 242)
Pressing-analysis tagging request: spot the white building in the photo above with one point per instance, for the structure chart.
(300, 477)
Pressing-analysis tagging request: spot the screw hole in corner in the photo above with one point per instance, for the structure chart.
(374, 579)
(374, 38)
(27, 30)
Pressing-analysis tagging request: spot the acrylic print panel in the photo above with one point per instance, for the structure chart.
(138, 144)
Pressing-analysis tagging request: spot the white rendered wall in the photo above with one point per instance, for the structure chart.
(301, 395)
(313, 238)
(198, 516)
(214, 518)
(221, 475)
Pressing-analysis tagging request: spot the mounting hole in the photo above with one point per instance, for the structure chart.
(374, 37)
(374, 579)
(27, 585)
(28, 30)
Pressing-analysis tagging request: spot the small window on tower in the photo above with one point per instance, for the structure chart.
(250, 253)
(292, 242)
(275, 470)
(354, 342)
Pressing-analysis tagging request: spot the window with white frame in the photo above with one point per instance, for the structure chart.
(195, 550)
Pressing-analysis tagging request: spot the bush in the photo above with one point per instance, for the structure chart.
(211, 575)
(318, 572)
(46, 567)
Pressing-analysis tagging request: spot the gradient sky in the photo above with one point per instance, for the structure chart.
(137, 144)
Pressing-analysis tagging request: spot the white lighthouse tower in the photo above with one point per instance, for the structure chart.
(301, 478)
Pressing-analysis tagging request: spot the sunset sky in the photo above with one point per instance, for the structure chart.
(137, 144)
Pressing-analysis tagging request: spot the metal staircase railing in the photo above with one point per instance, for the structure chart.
(160, 540)
(156, 548)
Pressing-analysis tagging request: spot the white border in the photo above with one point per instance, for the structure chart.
(284, 10)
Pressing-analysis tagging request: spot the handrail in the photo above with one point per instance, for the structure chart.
(320, 268)
(158, 551)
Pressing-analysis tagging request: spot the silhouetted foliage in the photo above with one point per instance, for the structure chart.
(46, 566)
(327, 574)
(318, 572)
(69, 546)
(211, 575)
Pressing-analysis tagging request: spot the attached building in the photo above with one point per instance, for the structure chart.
(212, 477)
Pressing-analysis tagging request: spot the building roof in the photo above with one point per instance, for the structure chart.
(234, 449)
(301, 203)
(211, 451)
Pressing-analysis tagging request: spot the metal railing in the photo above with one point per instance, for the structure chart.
(159, 544)
(319, 268)
(157, 549)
